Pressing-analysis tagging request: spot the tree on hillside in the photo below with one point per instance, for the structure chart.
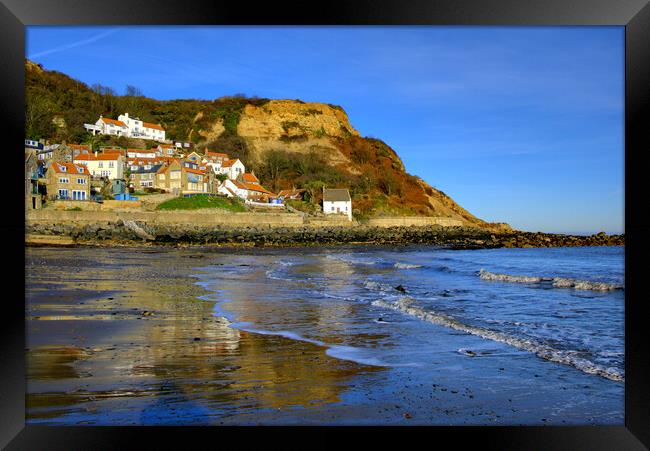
(38, 118)
(314, 191)
(133, 91)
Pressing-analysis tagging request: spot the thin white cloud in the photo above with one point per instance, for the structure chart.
(74, 44)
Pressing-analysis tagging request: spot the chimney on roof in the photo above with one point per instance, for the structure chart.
(126, 115)
(95, 154)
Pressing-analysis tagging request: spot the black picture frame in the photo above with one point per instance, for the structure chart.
(633, 14)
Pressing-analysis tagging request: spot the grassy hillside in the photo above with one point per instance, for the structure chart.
(287, 143)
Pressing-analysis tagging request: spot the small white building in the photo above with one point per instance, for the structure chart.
(141, 129)
(337, 201)
(139, 153)
(232, 168)
(108, 164)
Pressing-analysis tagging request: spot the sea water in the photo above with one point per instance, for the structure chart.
(382, 306)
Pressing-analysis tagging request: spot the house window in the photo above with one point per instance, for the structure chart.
(111, 164)
(81, 181)
(100, 164)
(332, 208)
(64, 180)
(63, 194)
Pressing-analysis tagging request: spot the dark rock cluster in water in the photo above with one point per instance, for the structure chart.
(454, 237)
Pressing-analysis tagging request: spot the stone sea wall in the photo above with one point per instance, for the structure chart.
(268, 229)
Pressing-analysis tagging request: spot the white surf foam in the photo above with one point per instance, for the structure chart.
(406, 305)
(557, 282)
(400, 265)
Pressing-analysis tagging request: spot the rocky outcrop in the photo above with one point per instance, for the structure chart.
(183, 234)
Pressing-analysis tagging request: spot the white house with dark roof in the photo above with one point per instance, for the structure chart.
(337, 201)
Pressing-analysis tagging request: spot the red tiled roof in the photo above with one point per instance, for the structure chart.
(250, 178)
(252, 187)
(216, 154)
(195, 171)
(100, 156)
(227, 164)
(69, 168)
(113, 121)
(150, 125)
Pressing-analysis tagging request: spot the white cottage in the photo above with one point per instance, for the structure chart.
(232, 168)
(337, 201)
(131, 127)
(106, 164)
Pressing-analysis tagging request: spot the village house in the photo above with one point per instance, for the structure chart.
(186, 146)
(144, 176)
(106, 164)
(231, 168)
(78, 149)
(45, 154)
(196, 181)
(166, 150)
(33, 144)
(215, 157)
(183, 177)
(169, 177)
(68, 181)
(32, 196)
(245, 190)
(194, 157)
(141, 153)
(131, 127)
(106, 126)
(337, 201)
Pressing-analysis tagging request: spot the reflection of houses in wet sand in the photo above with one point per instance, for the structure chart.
(183, 356)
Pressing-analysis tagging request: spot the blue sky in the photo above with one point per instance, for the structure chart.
(518, 124)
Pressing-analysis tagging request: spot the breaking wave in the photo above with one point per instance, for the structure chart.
(399, 265)
(556, 282)
(406, 305)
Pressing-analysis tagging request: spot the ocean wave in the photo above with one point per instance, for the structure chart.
(407, 305)
(444, 268)
(377, 286)
(399, 265)
(352, 260)
(556, 282)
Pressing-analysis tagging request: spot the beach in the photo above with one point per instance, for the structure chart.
(229, 336)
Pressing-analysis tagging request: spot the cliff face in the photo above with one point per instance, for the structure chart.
(288, 143)
(294, 126)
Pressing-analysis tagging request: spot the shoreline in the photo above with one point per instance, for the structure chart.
(131, 233)
(162, 353)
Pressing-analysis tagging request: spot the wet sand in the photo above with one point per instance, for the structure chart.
(120, 337)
